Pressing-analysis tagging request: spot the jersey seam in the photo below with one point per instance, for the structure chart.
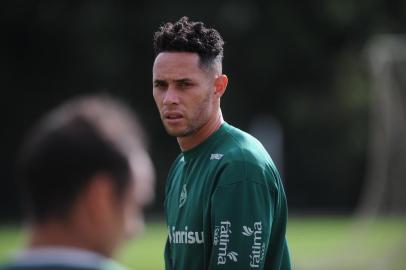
(240, 150)
(241, 181)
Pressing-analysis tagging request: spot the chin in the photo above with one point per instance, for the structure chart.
(177, 132)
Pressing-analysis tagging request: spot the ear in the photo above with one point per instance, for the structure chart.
(220, 85)
(100, 199)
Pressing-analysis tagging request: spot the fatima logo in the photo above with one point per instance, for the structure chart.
(222, 241)
(258, 247)
(183, 196)
(247, 231)
(233, 256)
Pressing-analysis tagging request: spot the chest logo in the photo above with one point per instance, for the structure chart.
(183, 196)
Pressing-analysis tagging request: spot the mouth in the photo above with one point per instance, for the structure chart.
(172, 117)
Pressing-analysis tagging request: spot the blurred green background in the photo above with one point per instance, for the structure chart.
(320, 83)
(315, 243)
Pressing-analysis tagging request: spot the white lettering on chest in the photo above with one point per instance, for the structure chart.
(184, 236)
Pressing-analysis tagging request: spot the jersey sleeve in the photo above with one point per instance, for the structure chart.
(167, 256)
(242, 216)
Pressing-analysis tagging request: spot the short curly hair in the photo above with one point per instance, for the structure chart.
(189, 36)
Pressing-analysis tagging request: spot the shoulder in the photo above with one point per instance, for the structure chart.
(178, 162)
(112, 265)
(13, 266)
(245, 159)
(241, 147)
(61, 263)
(174, 171)
(243, 144)
(4, 266)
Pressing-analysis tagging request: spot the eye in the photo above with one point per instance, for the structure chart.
(184, 84)
(160, 84)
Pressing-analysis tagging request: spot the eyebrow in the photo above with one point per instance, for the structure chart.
(185, 80)
(159, 81)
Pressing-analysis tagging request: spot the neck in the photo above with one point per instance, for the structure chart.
(189, 142)
(59, 234)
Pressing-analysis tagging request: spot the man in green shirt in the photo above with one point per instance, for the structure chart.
(225, 205)
(85, 175)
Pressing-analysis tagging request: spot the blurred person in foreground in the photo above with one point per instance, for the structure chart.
(85, 176)
(225, 205)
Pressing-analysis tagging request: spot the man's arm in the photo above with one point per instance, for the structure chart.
(242, 216)
(167, 256)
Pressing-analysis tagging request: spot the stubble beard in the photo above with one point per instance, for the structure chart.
(199, 118)
(184, 133)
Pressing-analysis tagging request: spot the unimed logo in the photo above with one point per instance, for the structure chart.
(184, 236)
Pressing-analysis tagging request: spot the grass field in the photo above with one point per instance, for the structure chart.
(315, 243)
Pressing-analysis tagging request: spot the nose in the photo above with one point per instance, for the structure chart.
(171, 96)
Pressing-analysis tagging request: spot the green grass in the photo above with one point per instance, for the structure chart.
(346, 245)
(147, 251)
(315, 243)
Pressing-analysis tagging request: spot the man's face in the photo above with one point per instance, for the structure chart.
(183, 92)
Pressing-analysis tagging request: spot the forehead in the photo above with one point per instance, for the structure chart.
(177, 65)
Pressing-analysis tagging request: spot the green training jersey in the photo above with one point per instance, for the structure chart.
(225, 206)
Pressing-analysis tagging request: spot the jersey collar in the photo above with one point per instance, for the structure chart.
(199, 149)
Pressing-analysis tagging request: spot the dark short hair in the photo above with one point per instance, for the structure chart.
(188, 36)
(77, 140)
